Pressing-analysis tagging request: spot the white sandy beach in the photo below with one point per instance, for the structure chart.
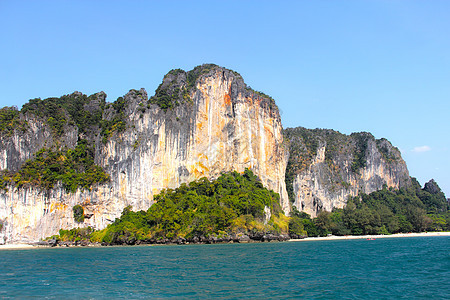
(353, 237)
(16, 246)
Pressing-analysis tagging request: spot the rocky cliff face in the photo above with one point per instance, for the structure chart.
(325, 167)
(17, 148)
(199, 124)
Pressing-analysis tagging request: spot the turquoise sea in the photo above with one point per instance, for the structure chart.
(416, 267)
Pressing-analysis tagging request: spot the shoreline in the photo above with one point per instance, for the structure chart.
(360, 237)
(327, 238)
(17, 246)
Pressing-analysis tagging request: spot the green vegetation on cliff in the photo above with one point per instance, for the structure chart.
(359, 153)
(304, 144)
(74, 168)
(384, 212)
(78, 213)
(168, 97)
(231, 204)
(68, 109)
(10, 121)
(194, 75)
(84, 112)
(117, 123)
(177, 85)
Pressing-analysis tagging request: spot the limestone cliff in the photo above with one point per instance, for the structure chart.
(325, 167)
(199, 123)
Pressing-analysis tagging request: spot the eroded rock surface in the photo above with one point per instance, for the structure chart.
(325, 167)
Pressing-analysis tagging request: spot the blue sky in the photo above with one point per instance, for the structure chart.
(376, 66)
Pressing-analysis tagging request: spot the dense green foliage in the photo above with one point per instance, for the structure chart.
(169, 97)
(75, 109)
(233, 203)
(73, 235)
(68, 109)
(78, 213)
(296, 225)
(74, 168)
(10, 121)
(383, 212)
(5, 180)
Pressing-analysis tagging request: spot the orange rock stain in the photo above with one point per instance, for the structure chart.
(57, 206)
(227, 100)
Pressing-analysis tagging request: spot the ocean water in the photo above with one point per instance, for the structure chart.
(396, 268)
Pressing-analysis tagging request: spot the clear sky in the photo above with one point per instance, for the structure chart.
(376, 66)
